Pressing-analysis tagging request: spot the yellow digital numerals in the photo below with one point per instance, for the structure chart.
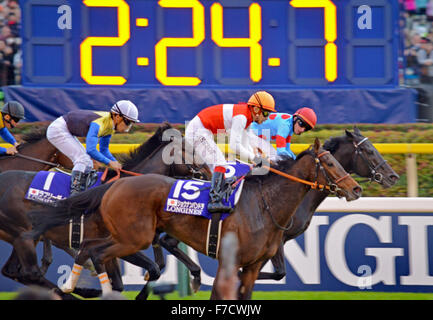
(164, 43)
(255, 27)
(330, 32)
(87, 45)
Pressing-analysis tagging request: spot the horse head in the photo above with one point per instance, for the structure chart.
(367, 162)
(332, 175)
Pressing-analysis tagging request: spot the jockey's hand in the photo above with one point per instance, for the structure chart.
(115, 165)
(11, 150)
(259, 161)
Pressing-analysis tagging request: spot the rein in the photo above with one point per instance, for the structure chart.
(32, 159)
(104, 175)
(314, 185)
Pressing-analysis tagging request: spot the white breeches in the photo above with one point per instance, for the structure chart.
(265, 146)
(59, 135)
(203, 143)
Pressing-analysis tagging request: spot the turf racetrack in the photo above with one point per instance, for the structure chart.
(285, 295)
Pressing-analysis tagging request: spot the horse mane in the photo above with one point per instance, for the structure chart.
(134, 157)
(333, 143)
(35, 135)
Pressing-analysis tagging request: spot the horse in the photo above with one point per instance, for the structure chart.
(354, 152)
(133, 220)
(14, 221)
(357, 155)
(36, 153)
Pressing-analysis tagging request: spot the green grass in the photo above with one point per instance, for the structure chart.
(286, 295)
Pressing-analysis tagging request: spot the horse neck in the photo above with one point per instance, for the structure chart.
(314, 198)
(152, 164)
(293, 192)
(42, 150)
(344, 156)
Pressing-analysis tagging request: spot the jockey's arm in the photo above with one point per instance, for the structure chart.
(104, 144)
(7, 136)
(282, 141)
(92, 142)
(236, 133)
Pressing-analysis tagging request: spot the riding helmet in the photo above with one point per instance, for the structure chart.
(14, 109)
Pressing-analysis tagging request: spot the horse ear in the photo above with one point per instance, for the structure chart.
(316, 145)
(356, 130)
(349, 134)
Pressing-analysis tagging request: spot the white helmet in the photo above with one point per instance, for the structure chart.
(126, 109)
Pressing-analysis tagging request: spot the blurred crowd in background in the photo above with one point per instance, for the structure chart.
(10, 43)
(418, 41)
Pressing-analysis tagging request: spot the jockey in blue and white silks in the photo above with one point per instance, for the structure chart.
(280, 127)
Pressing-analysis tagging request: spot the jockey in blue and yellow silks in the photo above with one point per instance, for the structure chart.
(280, 127)
(97, 127)
(10, 115)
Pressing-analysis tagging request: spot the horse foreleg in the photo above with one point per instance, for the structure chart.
(140, 260)
(80, 259)
(170, 244)
(26, 253)
(47, 258)
(248, 277)
(279, 265)
(113, 271)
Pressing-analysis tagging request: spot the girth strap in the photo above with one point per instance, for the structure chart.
(213, 236)
(76, 232)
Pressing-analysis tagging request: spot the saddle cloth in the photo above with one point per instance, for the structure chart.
(48, 187)
(191, 196)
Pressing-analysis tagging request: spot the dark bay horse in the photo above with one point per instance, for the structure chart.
(14, 221)
(357, 155)
(35, 147)
(35, 153)
(132, 219)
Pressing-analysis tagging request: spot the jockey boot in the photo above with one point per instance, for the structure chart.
(77, 178)
(216, 193)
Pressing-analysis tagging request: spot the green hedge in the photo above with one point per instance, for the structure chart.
(377, 133)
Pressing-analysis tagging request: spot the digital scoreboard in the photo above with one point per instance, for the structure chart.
(210, 44)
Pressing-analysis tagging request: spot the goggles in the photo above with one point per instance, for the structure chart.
(303, 124)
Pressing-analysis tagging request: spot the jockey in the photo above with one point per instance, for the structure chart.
(94, 125)
(233, 119)
(11, 114)
(280, 127)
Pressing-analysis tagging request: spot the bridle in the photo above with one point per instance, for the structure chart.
(331, 186)
(374, 175)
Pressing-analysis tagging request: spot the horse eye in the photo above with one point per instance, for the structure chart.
(330, 164)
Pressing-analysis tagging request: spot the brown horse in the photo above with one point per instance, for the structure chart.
(132, 219)
(355, 153)
(35, 154)
(14, 221)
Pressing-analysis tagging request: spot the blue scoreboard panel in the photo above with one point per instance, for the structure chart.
(210, 44)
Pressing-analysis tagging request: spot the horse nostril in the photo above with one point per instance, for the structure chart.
(357, 190)
(394, 177)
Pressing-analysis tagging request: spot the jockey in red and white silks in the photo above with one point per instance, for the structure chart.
(231, 119)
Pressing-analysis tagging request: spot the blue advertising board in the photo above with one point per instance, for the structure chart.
(388, 252)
